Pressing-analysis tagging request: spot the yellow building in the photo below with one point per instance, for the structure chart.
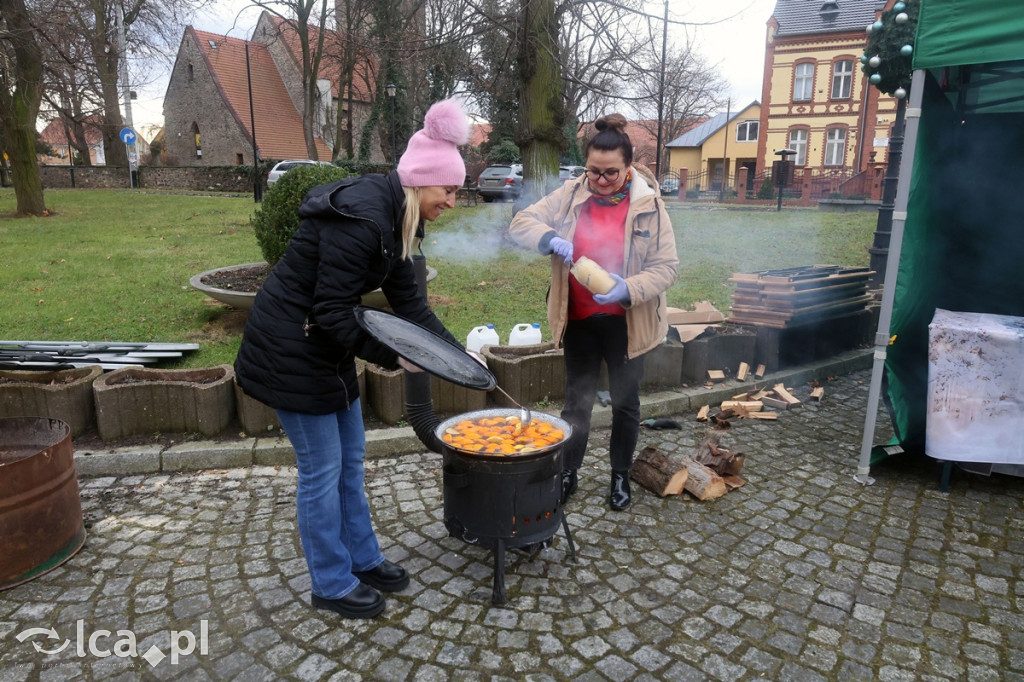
(716, 148)
(815, 99)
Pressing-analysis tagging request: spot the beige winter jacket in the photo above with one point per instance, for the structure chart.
(649, 255)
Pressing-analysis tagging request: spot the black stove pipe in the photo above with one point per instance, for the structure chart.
(419, 408)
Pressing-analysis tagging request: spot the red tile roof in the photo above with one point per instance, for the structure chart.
(278, 122)
(54, 134)
(329, 68)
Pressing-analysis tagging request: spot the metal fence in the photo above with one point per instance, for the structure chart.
(838, 183)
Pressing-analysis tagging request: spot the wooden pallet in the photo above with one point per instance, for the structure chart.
(795, 296)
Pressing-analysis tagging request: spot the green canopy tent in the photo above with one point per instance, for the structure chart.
(958, 226)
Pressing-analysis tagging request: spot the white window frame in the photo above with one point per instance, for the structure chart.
(835, 146)
(803, 83)
(745, 128)
(799, 145)
(842, 79)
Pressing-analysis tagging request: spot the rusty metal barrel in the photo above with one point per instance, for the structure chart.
(40, 509)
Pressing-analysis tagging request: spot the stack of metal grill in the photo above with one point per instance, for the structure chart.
(796, 296)
(51, 355)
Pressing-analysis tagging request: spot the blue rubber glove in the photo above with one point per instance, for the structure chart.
(618, 294)
(561, 247)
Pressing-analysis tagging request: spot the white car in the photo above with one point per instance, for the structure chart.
(282, 167)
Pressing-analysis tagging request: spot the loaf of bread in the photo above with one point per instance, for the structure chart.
(591, 275)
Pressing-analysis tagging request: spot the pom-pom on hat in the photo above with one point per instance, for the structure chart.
(432, 157)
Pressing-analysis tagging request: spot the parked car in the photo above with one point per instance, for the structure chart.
(500, 182)
(567, 173)
(282, 167)
(670, 186)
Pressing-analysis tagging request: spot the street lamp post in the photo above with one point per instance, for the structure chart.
(257, 183)
(392, 89)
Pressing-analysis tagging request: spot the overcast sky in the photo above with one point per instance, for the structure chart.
(735, 44)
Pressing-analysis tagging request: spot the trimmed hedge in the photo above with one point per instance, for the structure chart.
(277, 218)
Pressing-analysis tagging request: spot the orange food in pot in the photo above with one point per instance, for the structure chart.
(501, 436)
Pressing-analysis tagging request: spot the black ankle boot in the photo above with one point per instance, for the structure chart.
(570, 481)
(619, 498)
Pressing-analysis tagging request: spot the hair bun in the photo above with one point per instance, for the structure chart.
(616, 122)
(446, 120)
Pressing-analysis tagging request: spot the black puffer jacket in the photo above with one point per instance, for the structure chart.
(302, 338)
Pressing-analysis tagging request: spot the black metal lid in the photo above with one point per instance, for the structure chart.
(425, 349)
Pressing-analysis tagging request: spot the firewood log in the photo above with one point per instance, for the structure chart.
(716, 458)
(658, 472)
(702, 482)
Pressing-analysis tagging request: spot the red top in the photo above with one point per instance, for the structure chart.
(600, 236)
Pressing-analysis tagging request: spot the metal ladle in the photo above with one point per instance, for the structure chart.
(525, 416)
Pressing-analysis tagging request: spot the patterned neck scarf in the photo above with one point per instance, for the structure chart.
(617, 196)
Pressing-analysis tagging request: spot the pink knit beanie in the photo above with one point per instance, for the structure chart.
(432, 157)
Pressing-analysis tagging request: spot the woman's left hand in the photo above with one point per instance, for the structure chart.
(618, 294)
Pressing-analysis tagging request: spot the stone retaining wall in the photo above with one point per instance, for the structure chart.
(188, 178)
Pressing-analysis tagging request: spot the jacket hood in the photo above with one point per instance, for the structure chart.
(359, 196)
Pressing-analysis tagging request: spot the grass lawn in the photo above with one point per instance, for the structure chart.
(115, 264)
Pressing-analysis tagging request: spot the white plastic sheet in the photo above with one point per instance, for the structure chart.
(975, 388)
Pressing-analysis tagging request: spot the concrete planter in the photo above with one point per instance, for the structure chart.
(449, 398)
(255, 417)
(663, 366)
(138, 400)
(64, 394)
(527, 373)
(385, 395)
(724, 349)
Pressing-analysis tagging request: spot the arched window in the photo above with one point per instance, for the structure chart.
(191, 72)
(198, 140)
(798, 143)
(835, 146)
(803, 82)
(842, 79)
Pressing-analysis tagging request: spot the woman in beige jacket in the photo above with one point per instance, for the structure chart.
(612, 215)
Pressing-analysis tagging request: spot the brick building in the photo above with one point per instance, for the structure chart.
(207, 115)
(815, 98)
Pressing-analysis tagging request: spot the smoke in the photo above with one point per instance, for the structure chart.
(480, 236)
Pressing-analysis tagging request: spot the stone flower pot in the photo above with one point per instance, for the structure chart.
(243, 300)
(527, 373)
(257, 419)
(64, 394)
(385, 395)
(723, 347)
(138, 400)
(663, 366)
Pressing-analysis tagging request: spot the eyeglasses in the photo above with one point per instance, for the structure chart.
(611, 175)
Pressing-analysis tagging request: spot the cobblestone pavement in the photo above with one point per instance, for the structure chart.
(801, 574)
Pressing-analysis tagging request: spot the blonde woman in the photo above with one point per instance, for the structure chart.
(302, 338)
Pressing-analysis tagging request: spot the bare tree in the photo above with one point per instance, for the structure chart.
(692, 91)
(21, 77)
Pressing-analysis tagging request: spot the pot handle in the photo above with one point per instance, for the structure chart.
(453, 478)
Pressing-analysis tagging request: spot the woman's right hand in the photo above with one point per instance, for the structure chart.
(563, 248)
(408, 366)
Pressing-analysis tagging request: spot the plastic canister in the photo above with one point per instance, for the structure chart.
(481, 336)
(525, 335)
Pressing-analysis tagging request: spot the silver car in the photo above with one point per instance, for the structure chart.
(282, 167)
(500, 182)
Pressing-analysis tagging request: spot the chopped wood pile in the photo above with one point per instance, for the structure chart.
(794, 296)
(710, 471)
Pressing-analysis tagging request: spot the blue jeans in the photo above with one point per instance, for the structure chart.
(333, 513)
